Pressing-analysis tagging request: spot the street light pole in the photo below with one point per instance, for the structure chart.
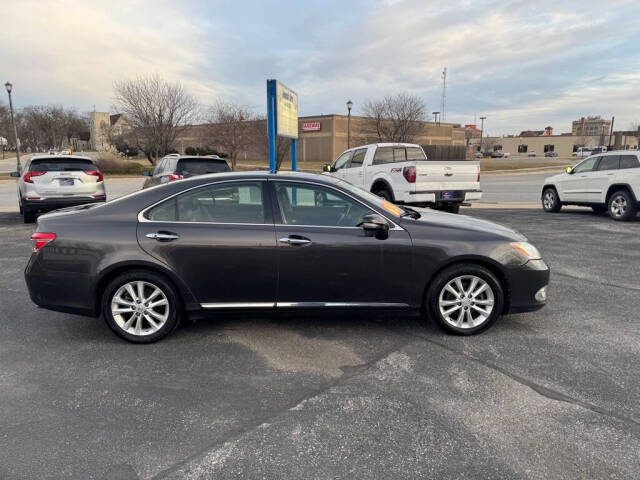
(349, 105)
(9, 87)
(435, 117)
(481, 131)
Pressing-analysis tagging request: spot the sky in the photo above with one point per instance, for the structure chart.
(522, 64)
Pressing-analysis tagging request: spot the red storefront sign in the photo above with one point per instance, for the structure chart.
(311, 126)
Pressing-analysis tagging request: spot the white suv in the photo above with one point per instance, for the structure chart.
(608, 181)
(51, 182)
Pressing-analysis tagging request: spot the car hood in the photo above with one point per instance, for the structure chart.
(554, 178)
(464, 222)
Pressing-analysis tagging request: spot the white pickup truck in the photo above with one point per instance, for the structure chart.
(401, 173)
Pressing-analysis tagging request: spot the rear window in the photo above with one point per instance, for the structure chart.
(629, 161)
(415, 153)
(62, 165)
(201, 166)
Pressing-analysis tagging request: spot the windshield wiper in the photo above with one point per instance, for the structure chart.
(410, 212)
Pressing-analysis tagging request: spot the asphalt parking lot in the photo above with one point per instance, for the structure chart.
(552, 394)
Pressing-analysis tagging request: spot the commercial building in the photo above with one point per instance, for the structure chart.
(590, 126)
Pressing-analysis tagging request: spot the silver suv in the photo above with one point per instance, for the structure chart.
(51, 182)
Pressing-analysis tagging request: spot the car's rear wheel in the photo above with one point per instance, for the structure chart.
(141, 306)
(550, 200)
(465, 299)
(621, 206)
(384, 193)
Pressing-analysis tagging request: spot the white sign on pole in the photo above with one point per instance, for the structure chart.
(287, 111)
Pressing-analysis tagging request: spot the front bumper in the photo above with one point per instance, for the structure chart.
(435, 196)
(525, 285)
(48, 204)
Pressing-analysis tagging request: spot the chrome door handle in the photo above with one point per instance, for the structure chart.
(295, 241)
(162, 236)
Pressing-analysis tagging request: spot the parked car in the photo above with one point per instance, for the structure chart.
(496, 154)
(478, 155)
(582, 152)
(550, 154)
(532, 154)
(401, 173)
(65, 152)
(255, 240)
(506, 154)
(609, 182)
(176, 167)
(51, 182)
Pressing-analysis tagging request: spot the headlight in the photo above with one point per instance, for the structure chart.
(527, 250)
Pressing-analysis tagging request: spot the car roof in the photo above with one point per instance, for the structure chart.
(262, 174)
(60, 157)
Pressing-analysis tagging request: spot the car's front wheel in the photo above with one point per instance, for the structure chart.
(465, 299)
(550, 200)
(621, 206)
(141, 306)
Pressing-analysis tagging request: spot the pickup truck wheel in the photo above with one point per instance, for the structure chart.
(464, 299)
(550, 200)
(621, 206)
(384, 193)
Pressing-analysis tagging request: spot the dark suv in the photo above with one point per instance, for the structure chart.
(176, 167)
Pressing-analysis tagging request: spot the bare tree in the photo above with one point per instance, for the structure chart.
(260, 142)
(231, 128)
(395, 118)
(156, 111)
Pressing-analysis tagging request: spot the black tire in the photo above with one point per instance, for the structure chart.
(150, 279)
(20, 205)
(621, 206)
(599, 209)
(452, 208)
(384, 193)
(550, 200)
(437, 285)
(28, 216)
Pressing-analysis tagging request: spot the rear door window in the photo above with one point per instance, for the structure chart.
(609, 162)
(629, 161)
(232, 202)
(201, 166)
(383, 155)
(66, 165)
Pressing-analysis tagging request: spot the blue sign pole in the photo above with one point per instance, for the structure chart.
(294, 153)
(271, 123)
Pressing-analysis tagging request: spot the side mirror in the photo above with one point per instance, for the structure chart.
(15, 174)
(569, 170)
(375, 224)
(146, 173)
(328, 168)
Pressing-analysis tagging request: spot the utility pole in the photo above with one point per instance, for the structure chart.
(349, 105)
(611, 132)
(443, 105)
(9, 87)
(435, 117)
(481, 132)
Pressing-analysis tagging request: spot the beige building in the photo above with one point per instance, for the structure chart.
(563, 145)
(323, 138)
(590, 126)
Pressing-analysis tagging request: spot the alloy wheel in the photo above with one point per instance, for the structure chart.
(548, 200)
(466, 301)
(618, 206)
(140, 308)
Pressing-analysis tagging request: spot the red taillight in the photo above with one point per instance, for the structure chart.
(41, 239)
(409, 174)
(96, 173)
(27, 176)
(175, 176)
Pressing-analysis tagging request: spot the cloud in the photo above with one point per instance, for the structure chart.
(523, 64)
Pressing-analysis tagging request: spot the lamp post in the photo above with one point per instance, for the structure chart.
(349, 105)
(9, 87)
(435, 117)
(481, 131)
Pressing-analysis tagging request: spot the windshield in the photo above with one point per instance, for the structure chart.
(371, 198)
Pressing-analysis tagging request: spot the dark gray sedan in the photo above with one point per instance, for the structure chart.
(266, 241)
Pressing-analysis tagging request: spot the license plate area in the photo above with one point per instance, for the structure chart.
(449, 195)
(66, 182)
